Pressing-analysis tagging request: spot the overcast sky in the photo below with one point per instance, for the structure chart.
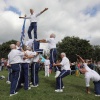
(64, 18)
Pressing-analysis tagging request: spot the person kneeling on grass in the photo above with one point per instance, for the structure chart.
(65, 70)
(90, 75)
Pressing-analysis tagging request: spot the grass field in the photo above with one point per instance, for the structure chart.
(74, 89)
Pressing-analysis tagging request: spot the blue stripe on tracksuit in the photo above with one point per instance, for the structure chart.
(53, 58)
(33, 25)
(16, 70)
(97, 87)
(59, 83)
(25, 67)
(35, 69)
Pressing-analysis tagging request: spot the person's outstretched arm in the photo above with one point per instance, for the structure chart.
(42, 12)
(25, 17)
(42, 41)
(80, 58)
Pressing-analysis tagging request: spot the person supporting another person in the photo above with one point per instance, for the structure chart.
(15, 58)
(33, 22)
(65, 70)
(35, 68)
(90, 75)
(53, 51)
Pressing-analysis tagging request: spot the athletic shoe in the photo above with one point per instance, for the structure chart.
(13, 94)
(57, 74)
(30, 83)
(29, 88)
(2, 76)
(63, 87)
(34, 85)
(22, 84)
(8, 82)
(59, 90)
(98, 95)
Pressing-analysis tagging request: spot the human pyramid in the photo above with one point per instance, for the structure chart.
(20, 60)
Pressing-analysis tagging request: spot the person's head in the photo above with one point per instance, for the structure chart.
(31, 11)
(83, 70)
(12, 46)
(63, 55)
(18, 43)
(47, 57)
(52, 35)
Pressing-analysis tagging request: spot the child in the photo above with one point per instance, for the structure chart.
(47, 65)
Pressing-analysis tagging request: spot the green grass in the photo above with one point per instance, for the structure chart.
(74, 89)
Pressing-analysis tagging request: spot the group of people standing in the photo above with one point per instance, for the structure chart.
(19, 61)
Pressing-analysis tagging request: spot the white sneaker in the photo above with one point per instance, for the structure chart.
(13, 94)
(97, 95)
(30, 83)
(63, 87)
(57, 74)
(2, 76)
(22, 84)
(8, 82)
(59, 90)
(29, 88)
(34, 85)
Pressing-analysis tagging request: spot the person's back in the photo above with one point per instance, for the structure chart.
(15, 56)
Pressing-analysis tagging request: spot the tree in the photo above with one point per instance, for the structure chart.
(75, 45)
(5, 49)
(96, 52)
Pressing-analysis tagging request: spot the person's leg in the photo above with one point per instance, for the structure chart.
(9, 74)
(54, 58)
(35, 30)
(45, 71)
(97, 87)
(16, 68)
(29, 31)
(36, 71)
(48, 71)
(26, 76)
(59, 78)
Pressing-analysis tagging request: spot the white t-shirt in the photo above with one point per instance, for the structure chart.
(51, 43)
(33, 18)
(90, 75)
(29, 53)
(65, 64)
(17, 47)
(36, 58)
(15, 56)
(47, 62)
(29, 43)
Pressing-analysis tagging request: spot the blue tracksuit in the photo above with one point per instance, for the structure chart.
(35, 69)
(59, 83)
(33, 25)
(16, 70)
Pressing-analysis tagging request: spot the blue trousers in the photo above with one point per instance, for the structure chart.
(36, 46)
(25, 68)
(97, 87)
(16, 69)
(35, 70)
(32, 26)
(59, 83)
(9, 74)
(53, 58)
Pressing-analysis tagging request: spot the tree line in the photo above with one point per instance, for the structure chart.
(70, 45)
